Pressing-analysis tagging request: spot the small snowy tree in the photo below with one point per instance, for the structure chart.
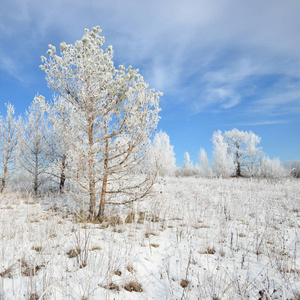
(223, 164)
(59, 140)
(271, 168)
(9, 127)
(242, 145)
(188, 168)
(32, 146)
(205, 169)
(107, 104)
(187, 163)
(293, 168)
(161, 155)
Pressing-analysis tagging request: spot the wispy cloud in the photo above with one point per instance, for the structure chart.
(280, 99)
(262, 123)
(208, 54)
(11, 67)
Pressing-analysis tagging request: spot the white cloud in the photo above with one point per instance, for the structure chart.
(191, 50)
(262, 123)
(278, 104)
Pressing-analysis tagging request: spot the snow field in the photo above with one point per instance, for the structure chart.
(194, 238)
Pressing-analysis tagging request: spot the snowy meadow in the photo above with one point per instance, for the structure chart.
(191, 238)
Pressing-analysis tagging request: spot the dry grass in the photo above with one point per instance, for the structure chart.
(9, 272)
(130, 269)
(130, 218)
(94, 248)
(73, 252)
(184, 283)
(113, 287)
(133, 286)
(37, 248)
(28, 269)
(208, 250)
(118, 272)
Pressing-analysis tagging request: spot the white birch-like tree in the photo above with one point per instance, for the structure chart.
(108, 105)
(223, 164)
(205, 169)
(58, 140)
(271, 169)
(161, 156)
(32, 147)
(242, 146)
(188, 168)
(9, 127)
(187, 163)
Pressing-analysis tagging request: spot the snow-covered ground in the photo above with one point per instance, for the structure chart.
(192, 239)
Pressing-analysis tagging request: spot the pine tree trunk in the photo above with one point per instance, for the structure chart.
(92, 197)
(92, 180)
(104, 182)
(103, 194)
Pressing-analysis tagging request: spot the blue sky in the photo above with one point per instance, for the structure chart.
(220, 64)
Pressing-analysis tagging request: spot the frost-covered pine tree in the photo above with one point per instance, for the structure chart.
(32, 146)
(9, 127)
(205, 169)
(161, 156)
(108, 105)
(223, 164)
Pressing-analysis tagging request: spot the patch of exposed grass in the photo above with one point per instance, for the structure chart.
(130, 269)
(94, 248)
(184, 283)
(29, 202)
(37, 248)
(34, 296)
(133, 286)
(130, 217)
(113, 287)
(118, 272)
(208, 250)
(73, 252)
(29, 270)
(9, 272)
(34, 221)
(141, 218)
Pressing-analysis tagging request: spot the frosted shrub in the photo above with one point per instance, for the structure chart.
(161, 156)
(271, 168)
